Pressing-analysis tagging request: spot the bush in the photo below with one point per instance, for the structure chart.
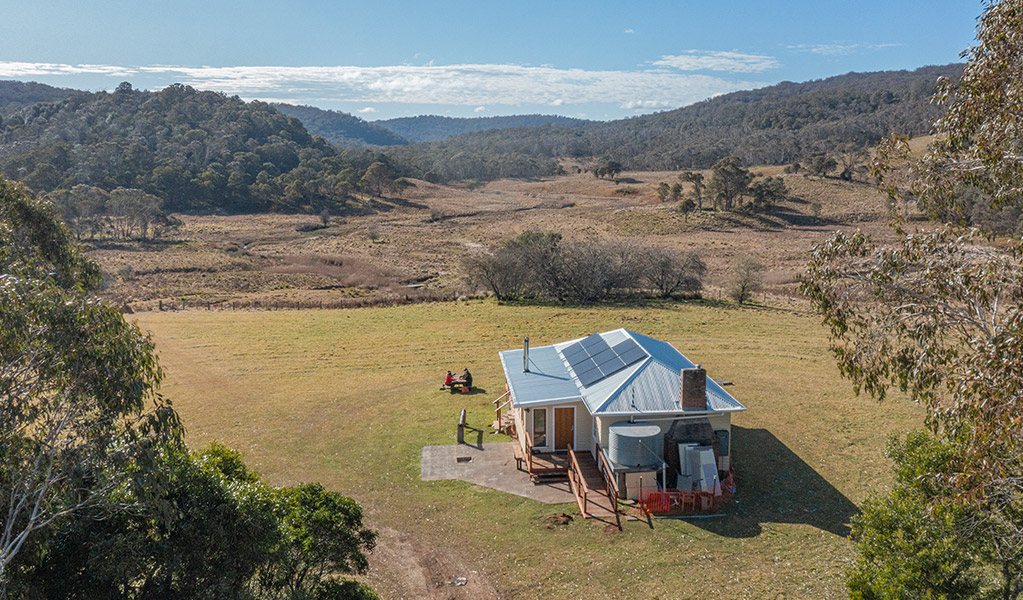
(541, 266)
(668, 272)
(747, 278)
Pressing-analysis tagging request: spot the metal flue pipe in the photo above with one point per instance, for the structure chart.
(525, 354)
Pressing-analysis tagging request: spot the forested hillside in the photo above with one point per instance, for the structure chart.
(196, 150)
(341, 129)
(15, 94)
(433, 128)
(773, 125)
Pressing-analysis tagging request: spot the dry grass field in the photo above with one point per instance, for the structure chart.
(422, 238)
(349, 397)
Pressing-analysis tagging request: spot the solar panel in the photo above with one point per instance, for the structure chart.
(590, 377)
(630, 352)
(613, 365)
(574, 353)
(584, 365)
(603, 356)
(632, 356)
(593, 359)
(624, 345)
(594, 344)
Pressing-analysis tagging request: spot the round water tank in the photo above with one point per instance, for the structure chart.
(635, 445)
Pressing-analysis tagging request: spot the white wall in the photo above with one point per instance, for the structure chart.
(583, 427)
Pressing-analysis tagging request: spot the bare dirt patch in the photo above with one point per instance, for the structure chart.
(407, 567)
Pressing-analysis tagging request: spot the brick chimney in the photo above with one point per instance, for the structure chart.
(694, 388)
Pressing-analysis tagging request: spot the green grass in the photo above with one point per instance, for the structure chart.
(349, 397)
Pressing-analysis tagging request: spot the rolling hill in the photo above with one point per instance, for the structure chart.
(342, 129)
(772, 125)
(433, 128)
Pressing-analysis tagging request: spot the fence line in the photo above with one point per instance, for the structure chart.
(267, 304)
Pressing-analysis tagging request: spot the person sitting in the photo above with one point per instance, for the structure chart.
(467, 378)
(448, 379)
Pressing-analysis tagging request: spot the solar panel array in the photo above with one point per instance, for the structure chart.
(593, 359)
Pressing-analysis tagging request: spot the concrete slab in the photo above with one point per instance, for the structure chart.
(492, 466)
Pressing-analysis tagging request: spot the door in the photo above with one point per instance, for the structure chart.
(564, 428)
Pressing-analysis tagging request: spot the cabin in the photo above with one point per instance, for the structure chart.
(630, 406)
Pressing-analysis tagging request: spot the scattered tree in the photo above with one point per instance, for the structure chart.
(675, 192)
(767, 192)
(747, 278)
(377, 179)
(698, 186)
(852, 160)
(729, 182)
(687, 207)
(609, 170)
(820, 165)
(663, 191)
(668, 272)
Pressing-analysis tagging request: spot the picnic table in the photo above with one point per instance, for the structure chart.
(458, 384)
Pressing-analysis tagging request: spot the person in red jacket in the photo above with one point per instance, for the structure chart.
(448, 379)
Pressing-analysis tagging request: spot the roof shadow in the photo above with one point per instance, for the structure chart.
(776, 486)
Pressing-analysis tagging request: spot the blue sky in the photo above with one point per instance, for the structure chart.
(598, 60)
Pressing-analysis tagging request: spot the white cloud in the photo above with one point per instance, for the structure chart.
(469, 85)
(368, 109)
(838, 49)
(646, 104)
(25, 69)
(704, 60)
(479, 109)
(629, 31)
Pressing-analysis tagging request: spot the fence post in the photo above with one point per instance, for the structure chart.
(461, 427)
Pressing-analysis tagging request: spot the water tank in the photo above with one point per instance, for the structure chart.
(635, 445)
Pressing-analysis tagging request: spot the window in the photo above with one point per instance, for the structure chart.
(539, 427)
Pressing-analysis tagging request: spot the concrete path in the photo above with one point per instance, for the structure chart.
(492, 466)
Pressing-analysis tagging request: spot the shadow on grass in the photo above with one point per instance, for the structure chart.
(776, 486)
(473, 391)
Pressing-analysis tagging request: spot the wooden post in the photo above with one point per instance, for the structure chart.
(461, 427)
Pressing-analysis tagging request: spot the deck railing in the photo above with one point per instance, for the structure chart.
(529, 449)
(578, 483)
(500, 407)
(610, 483)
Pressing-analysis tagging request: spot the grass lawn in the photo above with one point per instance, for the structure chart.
(348, 398)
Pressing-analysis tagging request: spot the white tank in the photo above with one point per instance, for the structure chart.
(635, 445)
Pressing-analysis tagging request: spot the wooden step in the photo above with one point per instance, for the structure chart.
(505, 423)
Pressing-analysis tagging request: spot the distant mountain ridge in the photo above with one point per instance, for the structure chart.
(15, 94)
(778, 124)
(341, 129)
(434, 128)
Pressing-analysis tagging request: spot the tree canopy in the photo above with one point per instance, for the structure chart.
(938, 314)
(78, 403)
(196, 150)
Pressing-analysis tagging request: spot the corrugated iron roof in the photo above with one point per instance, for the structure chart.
(546, 382)
(652, 385)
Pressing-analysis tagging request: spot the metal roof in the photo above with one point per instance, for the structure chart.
(650, 386)
(546, 382)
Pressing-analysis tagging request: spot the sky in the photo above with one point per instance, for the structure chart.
(381, 59)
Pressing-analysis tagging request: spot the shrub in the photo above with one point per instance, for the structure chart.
(747, 278)
(668, 272)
